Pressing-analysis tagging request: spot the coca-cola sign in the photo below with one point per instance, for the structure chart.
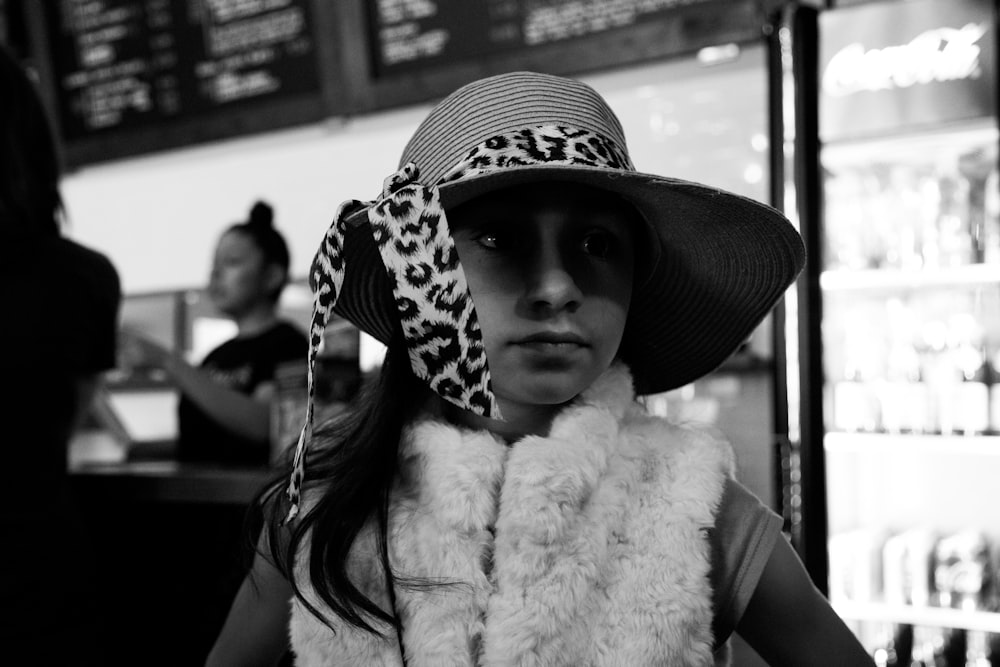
(942, 54)
(892, 66)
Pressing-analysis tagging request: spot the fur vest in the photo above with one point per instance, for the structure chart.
(585, 547)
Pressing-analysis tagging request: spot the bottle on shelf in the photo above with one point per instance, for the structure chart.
(909, 210)
(963, 571)
(903, 393)
(993, 649)
(855, 400)
(970, 397)
(995, 391)
(887, 228)
(928, 647)
(930, 249)
(954, 643)
(894, 646)
(855, 558)
(940, 374)
(991, 217)
(907, 559)
(954, 233)
(975, 166)
(964, 579)
(844, 220)
(981, 650)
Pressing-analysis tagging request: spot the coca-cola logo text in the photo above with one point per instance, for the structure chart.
(942, 54)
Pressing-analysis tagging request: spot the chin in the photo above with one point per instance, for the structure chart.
(551, 390)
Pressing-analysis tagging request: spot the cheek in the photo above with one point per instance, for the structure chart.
(493, 313)
(606, 318)
(607, 313)
(491, 295)
(229, 281)
(611, 291)
(245, 278)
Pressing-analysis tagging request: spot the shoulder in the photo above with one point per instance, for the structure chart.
(69, 250)
(744, 523)
(287, 337)
(89, 273)
(286, 329)
(63, 263)
(233, 346)
(741, 541)
(86, 273)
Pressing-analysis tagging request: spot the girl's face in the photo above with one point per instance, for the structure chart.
(550, 270)
(238, 281)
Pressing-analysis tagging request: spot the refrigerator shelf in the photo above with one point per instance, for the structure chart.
(889, 280)
(913, 146)
(939, 617)
(899, 443)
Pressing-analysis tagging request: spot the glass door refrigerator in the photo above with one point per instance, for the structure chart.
(895, 394)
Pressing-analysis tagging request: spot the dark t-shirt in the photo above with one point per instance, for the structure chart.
(60, 304)
(61, 301)
(241, 364)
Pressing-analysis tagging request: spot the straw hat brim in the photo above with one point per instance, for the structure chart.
(723, 261)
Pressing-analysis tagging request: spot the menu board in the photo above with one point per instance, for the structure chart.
(408, 34)
(4, 21)
(127, 64)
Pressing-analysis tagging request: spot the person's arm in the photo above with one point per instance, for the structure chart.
(256, 630)
(789, 622)
(246, 416)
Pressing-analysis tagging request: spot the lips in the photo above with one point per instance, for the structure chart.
(554, 339)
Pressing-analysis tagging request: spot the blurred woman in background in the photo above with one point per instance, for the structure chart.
(224, 413)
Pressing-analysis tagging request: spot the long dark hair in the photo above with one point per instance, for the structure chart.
(351, 465)
(30, 203)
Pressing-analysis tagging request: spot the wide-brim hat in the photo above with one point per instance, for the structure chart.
(719, 262)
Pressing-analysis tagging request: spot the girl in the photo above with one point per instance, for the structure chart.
(500, 497)
(224, 413)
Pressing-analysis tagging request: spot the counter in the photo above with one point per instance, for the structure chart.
(169, 482)
(172, 546)
(102, 467)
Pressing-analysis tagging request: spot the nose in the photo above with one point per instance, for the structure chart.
(551, 284)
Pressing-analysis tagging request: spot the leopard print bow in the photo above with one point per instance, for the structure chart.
(435, 309)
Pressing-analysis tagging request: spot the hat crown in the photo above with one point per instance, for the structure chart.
(500, 105)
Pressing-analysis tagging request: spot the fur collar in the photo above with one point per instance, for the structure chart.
(599, 554)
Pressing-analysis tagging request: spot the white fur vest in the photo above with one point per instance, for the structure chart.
(599, 556)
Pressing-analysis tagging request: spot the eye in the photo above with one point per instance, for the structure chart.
(597, 244)
(493, 239)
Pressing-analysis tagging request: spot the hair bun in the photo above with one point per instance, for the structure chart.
(261, 215)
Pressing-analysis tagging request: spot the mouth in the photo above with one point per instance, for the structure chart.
(552, 340)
